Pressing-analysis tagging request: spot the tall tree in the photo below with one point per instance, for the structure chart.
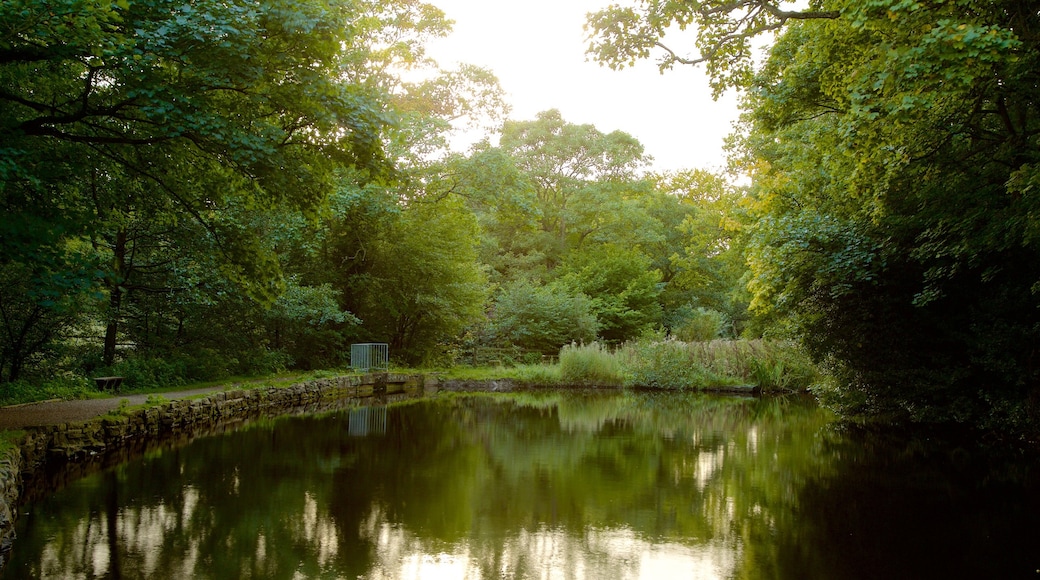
(725, 34)
(704, 265)
(116, 114)
(417, 284)
(568, 168)
(623, 286)
(894, 148)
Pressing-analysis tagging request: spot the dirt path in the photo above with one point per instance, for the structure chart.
(58, 412)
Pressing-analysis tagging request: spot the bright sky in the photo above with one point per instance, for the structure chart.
(536, 48)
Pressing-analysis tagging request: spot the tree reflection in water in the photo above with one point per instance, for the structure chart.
(562, 485)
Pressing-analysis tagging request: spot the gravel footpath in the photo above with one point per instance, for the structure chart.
(58, 412)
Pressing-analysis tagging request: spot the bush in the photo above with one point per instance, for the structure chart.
(64, 386)
(542, 318)
(701, 324)
(148, 373)
(592, 365)
(263, 362)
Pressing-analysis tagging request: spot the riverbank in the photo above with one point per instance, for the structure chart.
(52, 443)
(45, 456)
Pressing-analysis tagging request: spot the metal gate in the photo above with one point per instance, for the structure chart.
(370, 356)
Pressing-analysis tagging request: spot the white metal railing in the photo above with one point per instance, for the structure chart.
(363, 421)
(369, 356)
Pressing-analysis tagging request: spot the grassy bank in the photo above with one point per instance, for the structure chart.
(675, 365)
(772, 366)
(67, 388)
(768, 365)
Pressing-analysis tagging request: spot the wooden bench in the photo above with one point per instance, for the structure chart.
(108, 383)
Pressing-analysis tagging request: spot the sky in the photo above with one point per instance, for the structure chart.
(536, 48)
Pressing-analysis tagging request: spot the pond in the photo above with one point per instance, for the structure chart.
(547, 485)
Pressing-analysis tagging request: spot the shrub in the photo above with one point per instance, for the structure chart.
(156, 400)
(263, 362)
(542, 318)
(145, 373)
(701, 324)
(64, 386)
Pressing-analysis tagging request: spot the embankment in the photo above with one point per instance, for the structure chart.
(47, 458)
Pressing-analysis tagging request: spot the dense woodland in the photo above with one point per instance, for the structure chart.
(193, 189)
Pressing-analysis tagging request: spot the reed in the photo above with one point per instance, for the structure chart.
(670, 364)
(590, 365)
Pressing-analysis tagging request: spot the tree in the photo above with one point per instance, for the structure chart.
(574, 174)
(499, 194)
(38, 306)
(305, 323)
(917, 229)
(204, 152)
(725, 31)
(893, 148)
(117, 114)
(244, 96)
(418, 284)
(542, 318)
(704, 263)
(623, 287)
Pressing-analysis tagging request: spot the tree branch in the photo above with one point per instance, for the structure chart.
(776, 12)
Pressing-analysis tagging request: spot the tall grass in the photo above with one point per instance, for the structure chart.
(670, 364)
(591, 365)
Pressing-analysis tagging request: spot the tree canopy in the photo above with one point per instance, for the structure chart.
(156, 155)
(893, 148)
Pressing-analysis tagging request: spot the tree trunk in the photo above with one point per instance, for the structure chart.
(115, 297)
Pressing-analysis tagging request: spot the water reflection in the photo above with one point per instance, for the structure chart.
(611, 553)
(551, 485)
(365, 421)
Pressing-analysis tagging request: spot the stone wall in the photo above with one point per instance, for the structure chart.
(49, 457)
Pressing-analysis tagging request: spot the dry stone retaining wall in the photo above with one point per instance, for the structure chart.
(50, 456)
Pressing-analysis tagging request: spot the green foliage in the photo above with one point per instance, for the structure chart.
(65, 386)
(122, 410)
(623, 288)
(665, 365)
(174, 177)
(539, 374)
(10, 441)
(570, 180)
(156, 400)
(420, 284)
(725, 33)
(151, 373)
(706, 263)
(593, 365)
(699, 324)
(39, 304)
(143, 373)
(893, 147)
(105, 103)
(890, 229)
(564, 212)
(767, 365)
(306, 323)
(542, 318)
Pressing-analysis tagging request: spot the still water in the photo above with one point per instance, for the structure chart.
(547, 485)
